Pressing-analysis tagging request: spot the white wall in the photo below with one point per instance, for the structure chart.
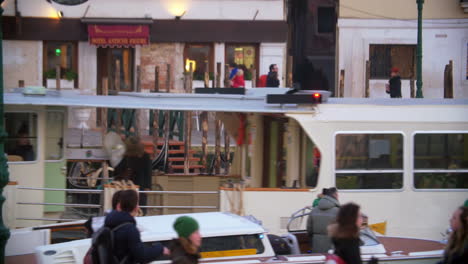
(443, 40)
(87, 67)
(22, 60)
(157, 9)
(273, 53)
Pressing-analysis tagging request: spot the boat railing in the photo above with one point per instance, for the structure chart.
(298, 216)
(100, 206)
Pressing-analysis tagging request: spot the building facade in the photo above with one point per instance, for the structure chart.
(384, 33)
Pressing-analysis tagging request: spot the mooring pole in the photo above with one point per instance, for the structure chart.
(419, 83)
(4, 175)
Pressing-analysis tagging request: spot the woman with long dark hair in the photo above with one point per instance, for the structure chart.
(456, 251)
(345, 233)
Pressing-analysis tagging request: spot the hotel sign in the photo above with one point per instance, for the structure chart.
(118, 35)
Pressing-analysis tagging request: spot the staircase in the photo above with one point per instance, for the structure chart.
(175, 156)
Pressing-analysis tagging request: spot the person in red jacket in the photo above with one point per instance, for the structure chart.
(238, 80)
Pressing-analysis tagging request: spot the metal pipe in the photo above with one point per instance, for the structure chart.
(64, 204)
(56, 189)
(176, 206)
(182, 192)
(48, 219)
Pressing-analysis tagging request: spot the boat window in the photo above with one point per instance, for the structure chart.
(369, 161)
(441, 161)
(21, 143)
(54, 137)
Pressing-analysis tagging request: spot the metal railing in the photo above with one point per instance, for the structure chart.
(99, 206)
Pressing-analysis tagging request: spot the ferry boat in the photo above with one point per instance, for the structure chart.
(403, 160)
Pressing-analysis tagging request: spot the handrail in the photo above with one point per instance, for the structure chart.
(64, 204)
(179, 206)
(298, 214)
(182, 192)
(57, 189)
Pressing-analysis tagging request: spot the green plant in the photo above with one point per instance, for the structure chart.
(247, 75)
(50, 74)
(71, 75)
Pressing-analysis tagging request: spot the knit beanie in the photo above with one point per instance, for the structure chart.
(185, 226)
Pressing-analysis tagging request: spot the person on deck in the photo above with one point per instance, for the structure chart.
(320, 217)
(135, 166)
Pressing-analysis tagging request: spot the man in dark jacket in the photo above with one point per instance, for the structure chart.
(127, 241)
(272, 78)
(320, 217)
(394, 83)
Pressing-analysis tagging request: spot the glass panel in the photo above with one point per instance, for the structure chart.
(63, 54)
(21, 143)
(326, 19)
(232, 243)
(312, 163)
(244, 56)
(369, 151)
(450, 180)
(369, 180)
(441, 151)
(125, 58)
(197, 55)
(54, 138)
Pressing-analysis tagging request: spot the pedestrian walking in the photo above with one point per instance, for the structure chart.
(394, 84)
(345, 233)
(320, 217)
(185, 249)
(456, 251)
(272, 77)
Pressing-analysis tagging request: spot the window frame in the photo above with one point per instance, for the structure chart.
(74, 65)
(402, 171)
(391, 44)
(413, 171)
(257, 56)
(38, 144)
(211, 56)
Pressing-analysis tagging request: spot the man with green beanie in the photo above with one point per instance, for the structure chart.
(184, 250)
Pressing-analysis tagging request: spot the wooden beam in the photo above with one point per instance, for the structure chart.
(227, 151)
(342, 80)
(218, 74)
(57, 77)
(117, 77)
(204, 119)
(168, 78)
(156, 79)
(138, 79)
(218, 147)
(366, 92)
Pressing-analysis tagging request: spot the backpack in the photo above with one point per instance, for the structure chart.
(334, 259)
(102, 244)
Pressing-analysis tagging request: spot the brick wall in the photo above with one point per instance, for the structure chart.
(161, 54)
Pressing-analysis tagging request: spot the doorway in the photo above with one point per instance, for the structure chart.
(107, 59)
(274, 162)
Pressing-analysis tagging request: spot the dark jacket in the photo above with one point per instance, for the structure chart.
(456, 258)
(320, 217)
(395, 87)
(271, 80)
(127, 241)
(180, 256)
(348, 249)
(140, 167)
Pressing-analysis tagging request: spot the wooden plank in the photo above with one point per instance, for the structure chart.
(227, 151)
(117, 77)
(412, 90)
(366, 92)
(204, 118)
(168, 78)
(227, 82)
(207, 74)
(342, 80)
(57, 77)
(218, 74)
(156, 79)
(254, 77)
(138, 79)
(105, 90)
(218, 147)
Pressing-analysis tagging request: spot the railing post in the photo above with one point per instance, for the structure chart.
(4, 175)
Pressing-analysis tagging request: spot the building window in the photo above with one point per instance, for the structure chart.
(54, 137)
(63, 54)
(326, 19)
(369, 161)
(21, 143)
(197, 56)
(245, 56)
(441, 161)
(384, 57)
